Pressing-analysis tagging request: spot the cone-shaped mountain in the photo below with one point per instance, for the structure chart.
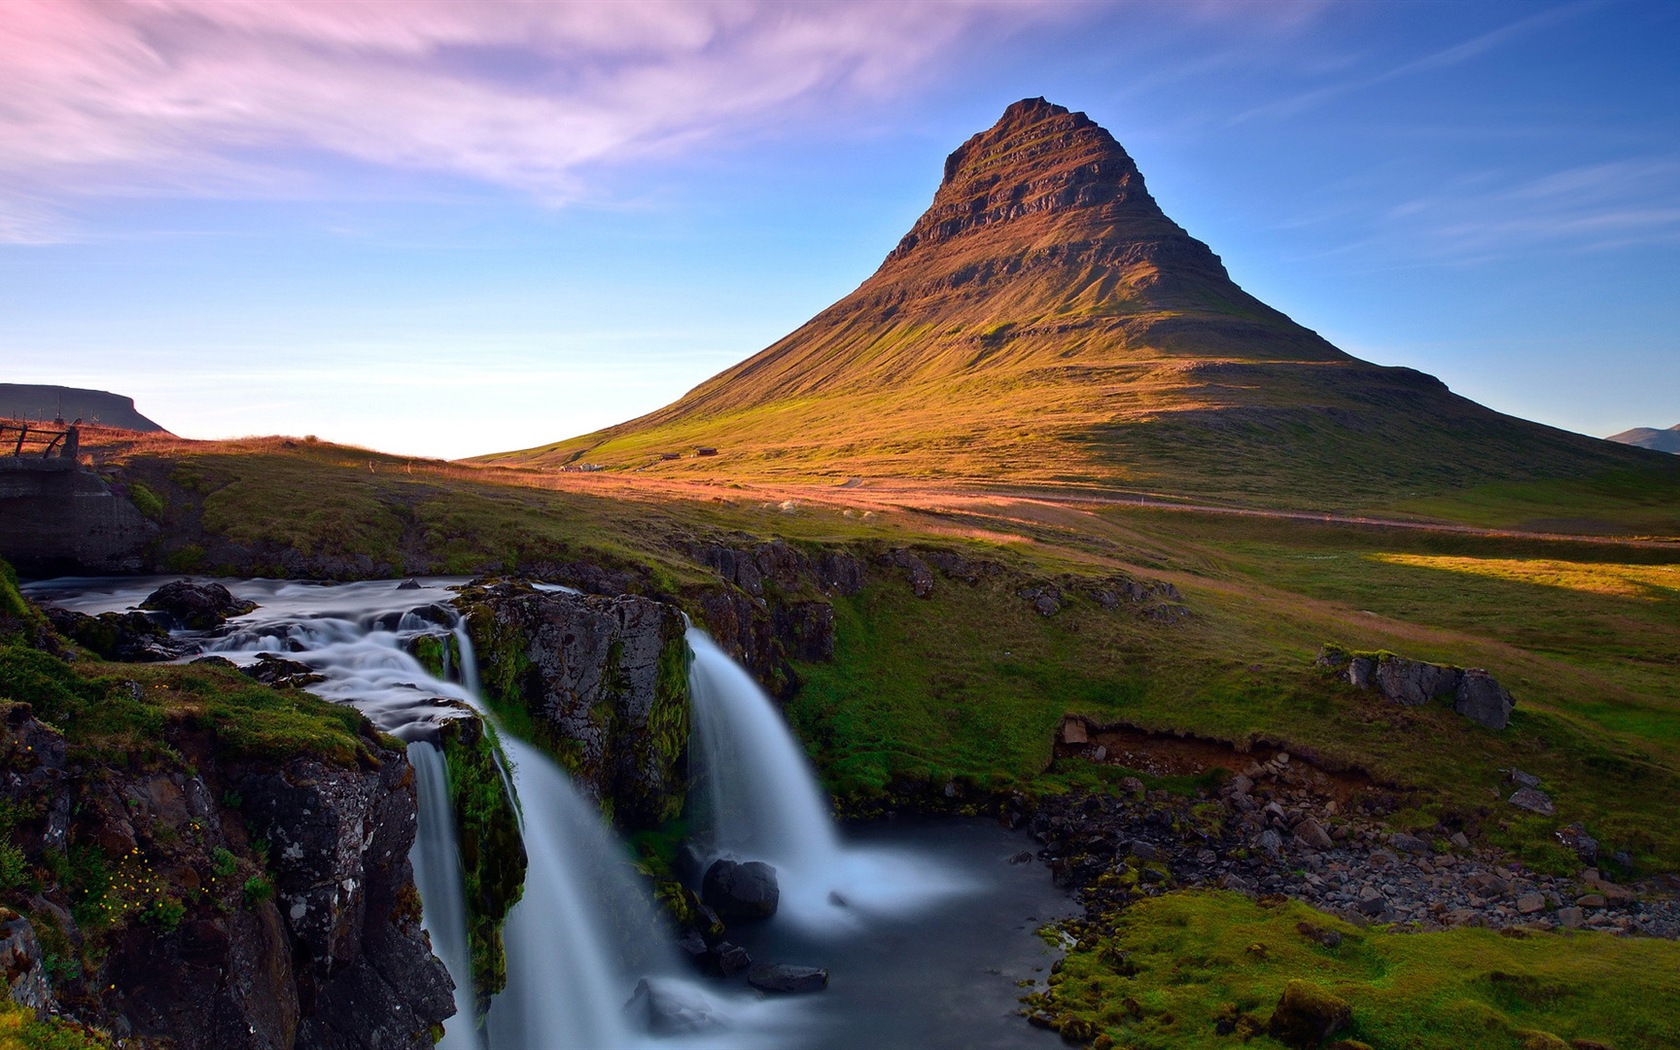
(1045, 322)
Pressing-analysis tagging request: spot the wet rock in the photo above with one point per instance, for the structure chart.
(731, 959)
(279, 671)
(196, 606)
(1307, 1015)
(1482, 699)
(665, 1008)
(787, 979)
(1023, 857)
(409, 584)
(738, 891)
(129, 637)
(1532, 799)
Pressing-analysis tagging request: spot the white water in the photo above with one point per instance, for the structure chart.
(762, 802)
(437, 874)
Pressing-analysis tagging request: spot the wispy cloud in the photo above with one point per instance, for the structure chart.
(1457, 54)
(109, 97)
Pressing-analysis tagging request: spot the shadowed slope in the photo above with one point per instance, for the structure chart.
(1045, 322)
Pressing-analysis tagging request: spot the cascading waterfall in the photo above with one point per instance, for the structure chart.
(437, 873)
(762, 802)
(584, 933)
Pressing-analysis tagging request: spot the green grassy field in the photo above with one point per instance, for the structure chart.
(1194, 970)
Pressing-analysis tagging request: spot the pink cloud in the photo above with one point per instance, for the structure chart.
(167, 95)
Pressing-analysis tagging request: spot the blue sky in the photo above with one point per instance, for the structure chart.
(443, 228)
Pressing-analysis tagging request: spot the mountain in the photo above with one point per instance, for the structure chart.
(32, 401)
(1044, 322)
(1651, 438)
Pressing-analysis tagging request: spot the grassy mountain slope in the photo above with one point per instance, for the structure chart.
(1044, 322)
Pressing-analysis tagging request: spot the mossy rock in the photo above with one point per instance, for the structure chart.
(493, 859)
(1307, 1015)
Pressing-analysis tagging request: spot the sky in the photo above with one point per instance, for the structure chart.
(445, 228)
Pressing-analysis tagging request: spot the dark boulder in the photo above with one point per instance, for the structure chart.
(128, 637)
(1307, 1015)
(1482, 699)
(787, 979)
(1413, 683)
(196, 606)
(739, 891)
(281, 672)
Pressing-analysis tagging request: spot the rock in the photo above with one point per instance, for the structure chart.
(1409, 844)
(1482, 699)
(1517, 776)
(1045, 598)
(1023, 857)
(1307, 1015)
(1074, 732)
(1459, 840)
(1533, 800)
(667, 1008)
(731, 958)
(129, 637)
(1590, 900)
(741, 891)
(1321, 934)
(1571, 918)
(21, 964)
(409, 584)
(787, 979)
(1236, 883)
(1529, 903)
(1412, 683)
(278, 671)
(1575, 837)
(196, 606)
(1362, 672)
(1311, 835)
(916, 572)
(606, 675)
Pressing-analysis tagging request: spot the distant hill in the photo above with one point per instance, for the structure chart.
(1649, 437)
(34, 401)
(1045, 323)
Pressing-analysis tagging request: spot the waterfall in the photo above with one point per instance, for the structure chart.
(762, 802)
(437, 873)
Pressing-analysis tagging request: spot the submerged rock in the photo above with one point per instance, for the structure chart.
(741, 890)
(663, 1008)
(787, 979)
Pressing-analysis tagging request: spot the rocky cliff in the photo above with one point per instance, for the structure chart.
(205, 862)
(601, 682)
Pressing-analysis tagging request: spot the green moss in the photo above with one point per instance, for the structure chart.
(493, 860)
(1199, 970)
(19, 1030)
(146, 501)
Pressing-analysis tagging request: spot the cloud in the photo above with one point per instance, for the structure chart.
(172, 95)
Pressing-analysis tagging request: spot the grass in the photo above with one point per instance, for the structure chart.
(1172, 971)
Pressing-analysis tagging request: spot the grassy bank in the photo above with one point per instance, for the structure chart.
(1196, 970)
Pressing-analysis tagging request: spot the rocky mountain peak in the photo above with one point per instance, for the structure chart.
(1038, 159)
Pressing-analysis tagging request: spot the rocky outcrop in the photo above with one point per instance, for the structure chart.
(1475, 694)
(602, 681)
(196, 606)
(130, 637)
(741, 890)
(205, 902)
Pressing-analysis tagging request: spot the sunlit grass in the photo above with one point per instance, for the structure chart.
(1627, 581)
